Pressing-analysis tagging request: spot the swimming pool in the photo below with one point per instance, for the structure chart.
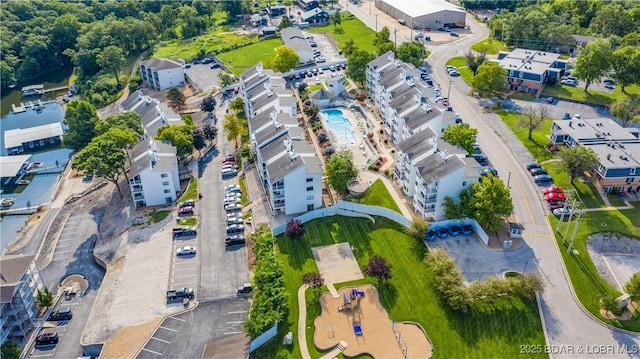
(340, 126)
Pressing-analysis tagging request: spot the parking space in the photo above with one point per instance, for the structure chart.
(67, 242)
(59, 327)
(203, 76)
(327, 48)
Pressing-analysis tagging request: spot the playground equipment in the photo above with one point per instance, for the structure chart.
(355, 293)
(357, 328)
(347, 301)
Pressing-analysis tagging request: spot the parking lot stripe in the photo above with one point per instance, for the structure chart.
(237, 322)
(229, 333)
(238, 312)
(40, 355)
(151, 351)
(60, 252)
(58, 259)
(184, 276)
(160, 340)
(182, 320)
(169, 329)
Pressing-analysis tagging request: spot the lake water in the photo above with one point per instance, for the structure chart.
(57, 79)
(52, 113)
(9, 229)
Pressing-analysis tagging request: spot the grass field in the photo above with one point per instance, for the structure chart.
(409, 295)
(158, 216)
(490, 46)
(352, 28)
(239, 60)
(597, 97)
(378, 195)
(214, 41)
(191, 192)
(461, 63)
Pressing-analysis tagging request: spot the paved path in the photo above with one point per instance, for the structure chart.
(302, 322)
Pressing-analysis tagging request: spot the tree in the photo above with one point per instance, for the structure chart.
(103, 158)
(110, 59)
(489, 80)
(577, 160)
(175, 97)
(533, 118)
(210, 132)
(311, 111)
(336, 19)
(626, 66)
(378, 268)
(285, 23)
(493, 202)
(418, 228)
(381, 41)
(461, 207)
(612, 19)
(633, 287)
(10, 350)
(127, 120)
(348, 47)
(180, 136)
(627, 110)
(593, 62)
(357, 62)
(44, 298)
(124, 138)
(199, 139)
(234, 128)
(295, 229)
(313, 279)
(285, 59)
(411, 52)
(609, 303)
(80, 118)
(447, 277)
(475, 60)
(225, 79)
(340, 170)
(461, 135)
(208, 104)
(237, 106)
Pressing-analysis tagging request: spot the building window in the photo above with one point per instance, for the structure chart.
(629, 180)
(309, 179)
(600, 168)
(166, 183)
(632, 171)
(164, 175)
(168, 200)
(167, 191)
(309, 198)
(310, 188)
(464, 183)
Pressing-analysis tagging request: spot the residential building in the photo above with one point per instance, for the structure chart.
(307, 5)
(277, 10)
(35, 138)
(322, 98)
(337, 84)
(269, 30)
(401, 98)
(317, 16)
(19, 284)
(294, 38)
(529, 70)
(154, 114)
(160, 74)
(617, 148)
(429, 169)
(153, 178)
(288, 167)
(424, 14)
(13, 168)
(258, 20)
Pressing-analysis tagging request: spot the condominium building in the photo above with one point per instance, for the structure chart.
(160, 74)
(153, 113)
(529, 70)
(153, 178)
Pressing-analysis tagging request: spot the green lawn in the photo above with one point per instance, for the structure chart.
(597, 97)
(239, 60)
(525, 96)
(461, 63)
(244, 198)
(490, 46)
(160, 215)
(352, 28)
(409, 295)
(214, 41)
(378, 195)
(189, 221)
(586, 280)
(191, 192)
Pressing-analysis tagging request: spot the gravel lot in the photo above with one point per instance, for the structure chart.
(616, 259)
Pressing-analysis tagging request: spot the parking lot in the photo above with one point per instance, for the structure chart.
(326, 47)
(185, 268)
(203, 77)
(71, 347)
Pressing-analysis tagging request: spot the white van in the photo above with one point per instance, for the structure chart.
(229, 172)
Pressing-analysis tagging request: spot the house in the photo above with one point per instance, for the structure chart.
(13, 168)
(154, 178)
(581, 41)
(322, 97)
(529, 70)
(276, 10)
(269, 30)
(258, 20)
(307, 5)
(429, 169)
(288, 167)
(337, 84)
(401, 98)
(154, 114)
(34, 138)
(160, 74)
(317, 16)
(617, 148)
(19, 284)
(294, 39)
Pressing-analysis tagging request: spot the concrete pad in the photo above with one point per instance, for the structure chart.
(622, 267)
(336, 264)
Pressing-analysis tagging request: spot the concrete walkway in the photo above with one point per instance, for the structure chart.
(302, 322)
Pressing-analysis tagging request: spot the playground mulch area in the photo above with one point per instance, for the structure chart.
(380, 334)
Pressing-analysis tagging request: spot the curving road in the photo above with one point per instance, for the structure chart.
(570, 331)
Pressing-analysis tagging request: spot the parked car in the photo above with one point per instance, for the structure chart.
(609, 86)
(246, 288)
(332, 68)
(552, 189)
(185, 211)
(234, 220)
(231, 200)
(235, 228)
(187, 203)
(542, 179)
(560, 211)
(206, 61)
(184, 231)
(550, 99)
(556, 204)
(64, 313)
(538, 171)
(480, 158)
(489, 170)
(233, 207)
(430, 235)
(569, 82)
(454, 230)
(532, 165)
(229, 166)
(442, 232)
(231, 187)
(233, 190)
(229, 195)
(229, 161)
(47, 339)
(321, 59)
(343, 66)
(450, 68)
(228, 173)
(454, 34)
(467, 230)
(320, 70)
(454, 73)
(184, 251)
(555, 196)
(567, 116)
(317, 81)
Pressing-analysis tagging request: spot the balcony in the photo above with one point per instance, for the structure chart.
(138, 196)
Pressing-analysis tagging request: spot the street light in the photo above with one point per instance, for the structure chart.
(376, 15)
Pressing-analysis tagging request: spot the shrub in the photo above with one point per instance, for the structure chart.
(378, 268)
(322, 137)
(295, 229)
(328, 151)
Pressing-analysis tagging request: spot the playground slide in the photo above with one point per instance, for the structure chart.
(357, 329)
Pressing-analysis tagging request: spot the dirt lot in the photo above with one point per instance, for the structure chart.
(379, 333)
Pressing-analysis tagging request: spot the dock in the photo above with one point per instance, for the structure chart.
(59, 88)
(19, 109)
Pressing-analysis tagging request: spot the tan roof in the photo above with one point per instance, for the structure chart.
(12, 268)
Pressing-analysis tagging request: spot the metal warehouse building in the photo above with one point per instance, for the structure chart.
(420, 14)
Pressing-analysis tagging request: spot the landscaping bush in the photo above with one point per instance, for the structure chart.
(322, 137)
(418, 225)
(295, 229)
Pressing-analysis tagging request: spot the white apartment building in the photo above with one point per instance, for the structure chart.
(153, 113)
(161, 74)
(154, 178)
(401, 98)
(290, 171)
(19, 284)
(429, 169)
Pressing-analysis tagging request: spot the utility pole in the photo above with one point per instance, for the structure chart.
(395, 36)
(568, 225)
(449, 91)
(376, 15)
(575, 230)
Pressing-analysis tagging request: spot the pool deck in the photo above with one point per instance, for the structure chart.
(362, 154)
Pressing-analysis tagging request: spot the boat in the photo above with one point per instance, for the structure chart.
(23, 182)
(33, 90)
(34, 165)
(7, 202)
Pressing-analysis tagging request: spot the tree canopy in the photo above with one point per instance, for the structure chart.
(379, 268)
(103, 157)
(357, 61)
(461, 135)
(111, 58)
(175, 97)
(80, 118)
(489, 80)
(627, 110)
(593, 62)
(632, 287)
(234, 127)
(578, 160)
(285, 58)
(382, 42)
(340, 170)
(411, 52)
(532, 118)
(492, 203)
(127, 120)
(181, 137)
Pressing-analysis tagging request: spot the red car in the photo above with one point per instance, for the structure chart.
(555, 196)
(556, 204)
(185, 211)
(553, 189)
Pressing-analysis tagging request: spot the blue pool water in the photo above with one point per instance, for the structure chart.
(340, 126)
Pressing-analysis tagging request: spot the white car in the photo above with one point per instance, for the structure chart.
(235, 200)
(185, 251)
(317, 81)
(320, 70)
(229, 195)
(559, 211)
(451, 68)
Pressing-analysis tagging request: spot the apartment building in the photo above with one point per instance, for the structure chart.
(153, 113)
(289, 169)
(617, 148)
(429, 169)
(401, 98)
(528, 70)
(153, 178)
(19, 284)
(160, 74)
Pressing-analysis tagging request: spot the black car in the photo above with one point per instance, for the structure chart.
(542, 179)
(538, 171)
(61, 314)
(489, 170)
(480, 158)
(533, 165)
(235, 228)
(245, 289)
(47, 339)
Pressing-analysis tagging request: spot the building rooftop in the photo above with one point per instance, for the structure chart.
(294, 38)
(531, 61)
(418, 143)
(416, 8)
(616, 156)
(162, 64)
(594, 130)
(12, 269)
(18, 136)
(420, 115)
(11, 165)
(435, 167)
(152, 154)
(321, 94)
